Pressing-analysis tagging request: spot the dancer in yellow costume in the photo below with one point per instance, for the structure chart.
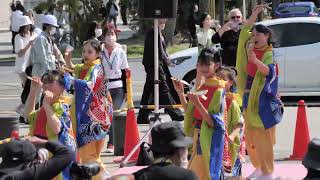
(204, 118)
(258, 86)
(92, 107)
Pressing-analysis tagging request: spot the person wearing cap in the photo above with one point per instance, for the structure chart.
(311, 161)
(23, 43)
(21, 160)
(30, 14)
(44, 53)
(170, 151)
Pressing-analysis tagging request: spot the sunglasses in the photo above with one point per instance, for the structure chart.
(233, 17)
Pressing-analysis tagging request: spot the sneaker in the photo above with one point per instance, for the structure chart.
(23, 120)
(20, 109)
(255, 174)
(110, 148)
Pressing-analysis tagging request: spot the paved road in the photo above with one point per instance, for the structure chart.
(10, 90)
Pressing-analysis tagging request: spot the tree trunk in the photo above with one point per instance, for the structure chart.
(168, 32)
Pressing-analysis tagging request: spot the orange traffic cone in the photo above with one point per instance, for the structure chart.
(132, 136)
(132, 131)
(301, 137)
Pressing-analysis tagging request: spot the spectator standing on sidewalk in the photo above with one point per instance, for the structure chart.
(30, 14)
(205, 31)
(115, 63)
(228, 37)
(62, 20)
(192, 22)
(165, 96)
(112, 12)
(17, 11)
(44, 54)
(94, 31)
(23, 42)
(123, 11)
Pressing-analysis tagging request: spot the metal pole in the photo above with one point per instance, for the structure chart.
(244, 10)
(156, 67)
(221, 12)
(260, 15)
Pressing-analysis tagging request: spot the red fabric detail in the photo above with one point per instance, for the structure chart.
(205, 103)
(251, 67)
(226, 159)
(228, 102)
(83, 73)
(98, 100)
(41, 124)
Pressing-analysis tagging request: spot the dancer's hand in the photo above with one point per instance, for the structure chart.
(193, 98)
(35, 82)
(178, 85)
(48, 98)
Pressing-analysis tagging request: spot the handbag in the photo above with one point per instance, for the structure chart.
(145, 157)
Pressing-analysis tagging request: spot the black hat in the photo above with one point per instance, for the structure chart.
(312, 158)
(166, 137)
(16, 154)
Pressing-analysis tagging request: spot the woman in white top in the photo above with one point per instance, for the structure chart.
(114, 60)
(23, 42)
(205, 31)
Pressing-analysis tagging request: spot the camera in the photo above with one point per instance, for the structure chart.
(84, 171)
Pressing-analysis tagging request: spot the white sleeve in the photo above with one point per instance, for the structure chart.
(124, 64)
(18, 43)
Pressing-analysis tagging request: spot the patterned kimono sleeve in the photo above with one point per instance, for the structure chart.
(242, 59)
(189, 120)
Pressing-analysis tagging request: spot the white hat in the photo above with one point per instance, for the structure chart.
(23, 21)
(50, 19)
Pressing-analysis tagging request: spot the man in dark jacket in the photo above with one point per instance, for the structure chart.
(165, 97)
(170, 151)
(20, 160)
(228, 37)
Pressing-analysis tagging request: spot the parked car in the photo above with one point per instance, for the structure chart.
(296, 9)
(297, 52)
